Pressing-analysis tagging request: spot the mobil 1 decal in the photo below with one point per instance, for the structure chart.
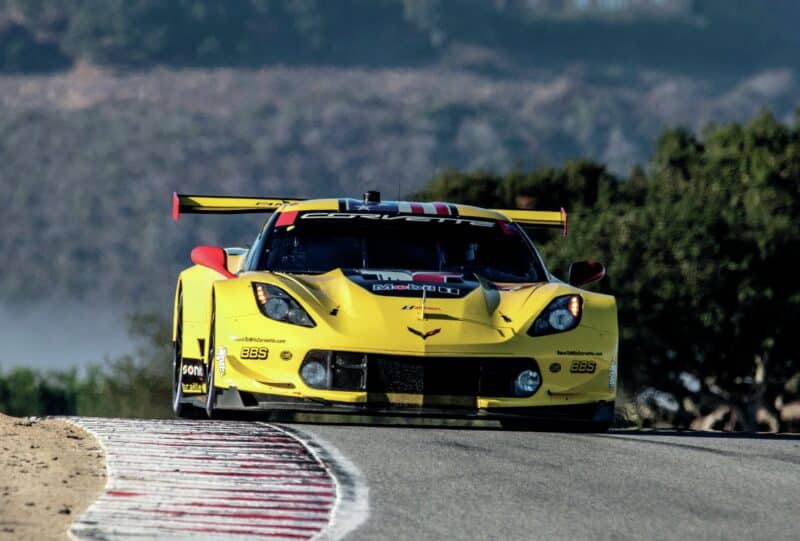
(394, 287)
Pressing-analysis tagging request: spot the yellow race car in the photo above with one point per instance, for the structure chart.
(391, 307)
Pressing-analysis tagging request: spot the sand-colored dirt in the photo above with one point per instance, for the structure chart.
(50, 471)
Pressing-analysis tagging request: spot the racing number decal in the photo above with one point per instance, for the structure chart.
(583, 367)
(255, 353)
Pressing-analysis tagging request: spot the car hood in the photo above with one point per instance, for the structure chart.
(428, 312)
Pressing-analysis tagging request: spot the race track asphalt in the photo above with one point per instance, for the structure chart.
(486, 483)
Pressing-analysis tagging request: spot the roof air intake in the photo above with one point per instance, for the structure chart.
(372, 197)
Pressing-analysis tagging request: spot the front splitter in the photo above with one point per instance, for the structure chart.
(234, 400)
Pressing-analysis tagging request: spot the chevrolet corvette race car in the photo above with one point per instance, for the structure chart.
(391, 307)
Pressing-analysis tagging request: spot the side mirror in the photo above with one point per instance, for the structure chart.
(585, 272)
(213, 258)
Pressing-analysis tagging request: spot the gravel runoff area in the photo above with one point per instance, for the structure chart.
(50, 471)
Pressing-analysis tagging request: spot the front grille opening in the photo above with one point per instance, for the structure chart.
(380, 374)
(345, 371)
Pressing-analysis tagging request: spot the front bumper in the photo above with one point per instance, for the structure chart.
(465, 378)
(478, 384)
(235, 400)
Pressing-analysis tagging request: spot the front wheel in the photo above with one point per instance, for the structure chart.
(177, 381)
(211, 390)
(179, 408)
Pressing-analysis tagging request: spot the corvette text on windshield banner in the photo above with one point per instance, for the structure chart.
(395, 218)
(399, 207)
(216, 204)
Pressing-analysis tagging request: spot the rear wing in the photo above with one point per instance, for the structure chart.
(219, 204)
(555, 219)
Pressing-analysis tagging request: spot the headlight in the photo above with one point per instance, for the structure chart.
(276, 304)
(562, 314)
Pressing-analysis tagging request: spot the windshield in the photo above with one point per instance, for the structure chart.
(318, 242)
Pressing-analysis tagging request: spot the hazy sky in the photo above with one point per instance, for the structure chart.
(60, 335)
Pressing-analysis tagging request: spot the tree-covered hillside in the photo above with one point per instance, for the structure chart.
(687, 36)
(699, 246)
(107, 106)
(91, 158)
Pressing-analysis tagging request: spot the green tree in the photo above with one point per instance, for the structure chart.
(134, 385)
(699, 248)
(476, 188)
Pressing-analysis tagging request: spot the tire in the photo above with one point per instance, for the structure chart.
(211, 390)
(179, 408)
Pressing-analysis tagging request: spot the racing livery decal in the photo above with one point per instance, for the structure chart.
(400, 283)
(399, 207)
(582, 367)
(255, 353)
(416, 287)
(395, 218)
(424, 335)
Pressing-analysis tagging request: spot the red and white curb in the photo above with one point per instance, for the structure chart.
(219, 480)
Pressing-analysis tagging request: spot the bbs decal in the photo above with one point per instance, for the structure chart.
(255, 353)
(583, 367)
